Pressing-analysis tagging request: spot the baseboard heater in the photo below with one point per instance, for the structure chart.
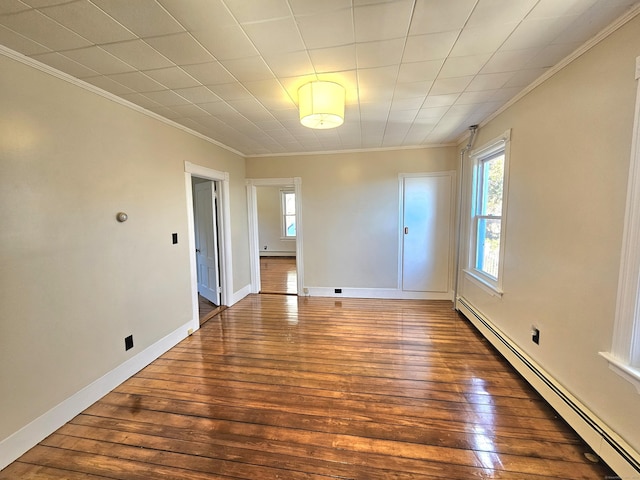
(619, 455)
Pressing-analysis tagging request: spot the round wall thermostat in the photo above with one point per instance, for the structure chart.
(122, 217)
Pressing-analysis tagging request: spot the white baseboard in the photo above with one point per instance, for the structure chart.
(617, 453)
(270, 253)
(240, 294)
(386, 293)
(28, 436)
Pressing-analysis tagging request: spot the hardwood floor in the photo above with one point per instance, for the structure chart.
(278, 275)
(207, 310)
(281, 387)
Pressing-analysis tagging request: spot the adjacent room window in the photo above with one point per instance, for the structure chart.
(488, 207)
(288, 208)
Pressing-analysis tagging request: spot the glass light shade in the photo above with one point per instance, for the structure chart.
(321, 105)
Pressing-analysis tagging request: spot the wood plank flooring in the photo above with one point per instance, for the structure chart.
(281, 387)
(278, 275)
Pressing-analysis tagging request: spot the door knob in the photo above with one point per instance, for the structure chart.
(197, 250)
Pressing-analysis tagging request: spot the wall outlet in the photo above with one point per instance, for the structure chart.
(337, 290)
(535, 335)
(174, 238)
(128, 343)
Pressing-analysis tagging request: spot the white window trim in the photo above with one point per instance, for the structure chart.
(487, 283)
(283, 225)
(624, 357)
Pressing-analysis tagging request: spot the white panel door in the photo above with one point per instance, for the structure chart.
(427, 233)
(206, 241)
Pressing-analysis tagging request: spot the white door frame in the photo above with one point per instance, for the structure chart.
(224, 226)
(254, 241)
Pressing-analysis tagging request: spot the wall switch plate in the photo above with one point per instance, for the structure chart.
(128, 343)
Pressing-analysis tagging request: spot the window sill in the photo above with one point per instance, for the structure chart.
(483, 284)
(629, 373)
(287, 238)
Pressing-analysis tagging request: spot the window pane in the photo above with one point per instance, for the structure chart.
(488, 246)
(492, 180)
(289, 203)
(290, 225)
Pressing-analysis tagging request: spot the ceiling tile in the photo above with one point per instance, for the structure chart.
(290, 64)
(432, 16)
(137, 81)
(412, 90)
(420, 48)
(44, 3)
(211, 73)
(109, 85)
(305, 7)
(379, 53)
(167, 98)
(444, 86)
(334, 59)
(12, 6)
(89, 21)
(536, 32)
(496, 12)
(138, 54)
(226, 43)
(382, 21)
(524, 77)
(199, 15)
(476, 41)
(99, 60)
(419, 71)
(230, 91)
(198, 94)
(248, 69)
(173, 77)
(275, 36)
(245, 11)
(554, 8)
(509, 61)
(189, 111)
(489, 81)
(141, 100)
(65, 64)
(19, 43)
(145, 18)
(327, 29)
(40, 28)
(461, 66)
(180, 48)
(440, 100)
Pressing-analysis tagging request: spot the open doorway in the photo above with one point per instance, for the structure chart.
(277, 233)
(207, 247)
(275, 229)
(209, 227)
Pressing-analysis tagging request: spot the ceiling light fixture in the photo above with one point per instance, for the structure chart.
(321, 105)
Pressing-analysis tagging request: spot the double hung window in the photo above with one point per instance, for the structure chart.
(288, 210)
(488, 207)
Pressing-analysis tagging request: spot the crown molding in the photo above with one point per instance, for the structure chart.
(7, 52)
(355, 150)
(588, 45)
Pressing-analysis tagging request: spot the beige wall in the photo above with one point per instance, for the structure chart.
(74, 282)
(270, 223)
(350, 208)
(570, 150)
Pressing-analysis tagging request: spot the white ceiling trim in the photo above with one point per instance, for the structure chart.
(7, 52)
(592, 42)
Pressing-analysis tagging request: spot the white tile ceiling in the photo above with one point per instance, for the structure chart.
(416, 72)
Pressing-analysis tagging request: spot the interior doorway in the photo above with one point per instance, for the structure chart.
(275, 233)
(209, 228)
(207, 247)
